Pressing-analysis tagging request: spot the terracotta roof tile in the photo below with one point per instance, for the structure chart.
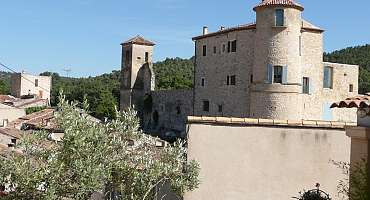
(360, 101)
(269, 122)
(289, 3)
(138, 40)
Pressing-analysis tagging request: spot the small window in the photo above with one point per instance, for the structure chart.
(328, 77)
(206, 106)
(204, 50)
(228, 47)
(214, 50)
(228, 80)
(139, 58)
(36, 82)
(146, 56)
(279, 17)
(220, 108)
(278, 74)
(223, 48)
(13, 141)
(233, 80)
(203, 82)
(351, 88)
(178, 110)
(251, 78)
(233, 46)
(306, 85)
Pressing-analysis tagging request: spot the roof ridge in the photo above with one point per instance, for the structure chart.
(291, 3)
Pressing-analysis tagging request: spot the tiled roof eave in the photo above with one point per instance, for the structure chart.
(275, 5)
(239, 28)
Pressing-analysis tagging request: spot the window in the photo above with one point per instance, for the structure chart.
(251, 78)
(233, 46)
(350, 87)
(306, 85)
(139, 58)
(146, 56)
(206, 106)
(203, 82)
(223, 48)
(204, 50)
(233, 80)
(278, 74)
(214, 50)
(328, 77)
(220, 108)
(178, 110)
(228, 47)
(13, 141)
(36, 82)
(279, 17)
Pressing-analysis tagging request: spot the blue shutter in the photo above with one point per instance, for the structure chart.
(269, 74)
(310, 90)
(285, 75)
(327, 112)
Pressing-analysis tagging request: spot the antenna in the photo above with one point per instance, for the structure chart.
(67, 71)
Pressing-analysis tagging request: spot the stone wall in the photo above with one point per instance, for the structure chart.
(215, 67)
(169, 110)
(10, 113)
(255, 159)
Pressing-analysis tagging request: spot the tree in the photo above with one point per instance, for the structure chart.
(356, 187)
(116, 158)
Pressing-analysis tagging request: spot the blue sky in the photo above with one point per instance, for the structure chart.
(84, 35)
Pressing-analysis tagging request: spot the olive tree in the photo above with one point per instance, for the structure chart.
(116, 159)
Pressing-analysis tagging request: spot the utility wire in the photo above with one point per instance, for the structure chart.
(10, 69)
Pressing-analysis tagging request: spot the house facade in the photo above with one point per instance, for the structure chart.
(270, 69)
(23, 84)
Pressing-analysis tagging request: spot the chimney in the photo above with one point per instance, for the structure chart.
(205, 30)
(222, 28)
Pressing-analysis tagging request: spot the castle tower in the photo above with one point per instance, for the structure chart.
(277, 70)
(137, 72)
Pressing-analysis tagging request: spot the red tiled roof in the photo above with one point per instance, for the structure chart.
(138, 40)
(228, 30)
(12, 132)
(360, 101)
(289, 3)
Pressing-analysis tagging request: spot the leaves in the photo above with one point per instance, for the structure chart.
(116, 158)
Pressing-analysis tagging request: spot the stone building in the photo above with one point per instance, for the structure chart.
(23, 84)
(160, 111)
(270, 69)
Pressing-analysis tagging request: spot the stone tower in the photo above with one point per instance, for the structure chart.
(277, 70)
(137, 72)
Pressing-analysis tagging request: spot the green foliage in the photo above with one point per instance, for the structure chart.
(103, 92)
(5, 83)
(174, 73)
(34, 109)
(359, 55)
(357, 186)
(114, 158)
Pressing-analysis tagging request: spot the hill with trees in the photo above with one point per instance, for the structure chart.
(103, 92)
(359, 55)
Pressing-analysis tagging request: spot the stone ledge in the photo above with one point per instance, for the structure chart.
(270, 122)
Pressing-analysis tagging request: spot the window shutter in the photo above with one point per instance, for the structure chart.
(269, 74)
(310, 89)
(285, 75)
